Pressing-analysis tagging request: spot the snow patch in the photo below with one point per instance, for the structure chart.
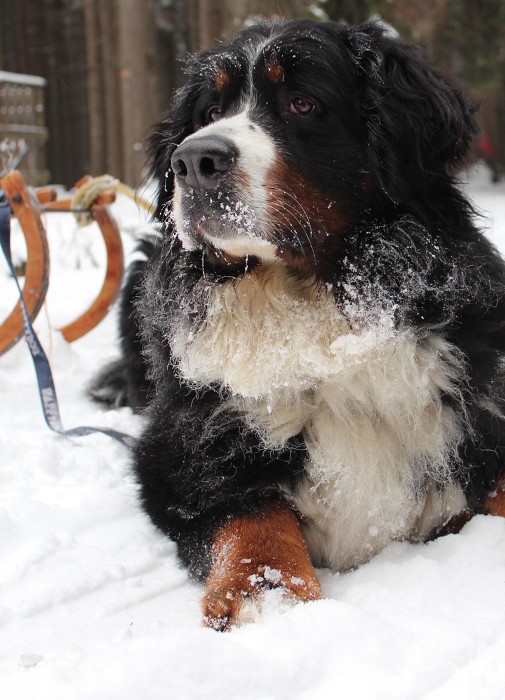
(89, 587)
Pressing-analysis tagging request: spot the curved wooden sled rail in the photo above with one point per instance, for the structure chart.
(37, 263)
(27, 208)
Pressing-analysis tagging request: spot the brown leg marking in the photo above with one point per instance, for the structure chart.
(495, 503)
(254, 552)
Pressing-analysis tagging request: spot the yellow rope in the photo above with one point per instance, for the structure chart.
(90, 190)
(141, 201)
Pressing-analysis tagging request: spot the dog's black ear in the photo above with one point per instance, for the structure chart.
(162, 142)
(418, 122)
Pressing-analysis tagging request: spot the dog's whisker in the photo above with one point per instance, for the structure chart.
(286, 209)
(297, 209)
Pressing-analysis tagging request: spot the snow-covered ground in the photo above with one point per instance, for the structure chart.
(93, 604)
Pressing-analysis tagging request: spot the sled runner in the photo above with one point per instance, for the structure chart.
(27, 206)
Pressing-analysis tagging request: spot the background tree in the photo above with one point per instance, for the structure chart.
(112, 65)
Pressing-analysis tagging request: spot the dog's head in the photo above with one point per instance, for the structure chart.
(287, 137)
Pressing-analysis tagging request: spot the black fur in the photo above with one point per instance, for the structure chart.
(387, 145)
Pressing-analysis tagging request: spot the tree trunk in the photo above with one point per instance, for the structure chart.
(93, 73)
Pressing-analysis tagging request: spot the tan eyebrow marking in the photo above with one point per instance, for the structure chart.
(222, 80)
(274, 72)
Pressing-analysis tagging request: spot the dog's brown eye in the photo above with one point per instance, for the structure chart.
(213, 114)
(300, 105)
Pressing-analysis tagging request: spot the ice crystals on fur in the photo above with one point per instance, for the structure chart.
(334, 362)
(339, 348)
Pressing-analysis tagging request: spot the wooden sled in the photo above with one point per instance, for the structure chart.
(27, 206)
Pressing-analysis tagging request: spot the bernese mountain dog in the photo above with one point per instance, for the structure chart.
(316, 337)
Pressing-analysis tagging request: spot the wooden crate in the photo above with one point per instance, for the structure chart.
(23, 134)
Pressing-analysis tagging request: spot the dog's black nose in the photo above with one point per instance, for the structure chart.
(200, 163)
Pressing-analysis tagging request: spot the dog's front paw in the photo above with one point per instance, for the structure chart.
(240, 575)
(236, 603)
(225, 607)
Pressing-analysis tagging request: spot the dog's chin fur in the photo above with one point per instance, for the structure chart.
(323, 328)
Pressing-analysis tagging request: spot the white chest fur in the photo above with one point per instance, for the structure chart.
(366, 395)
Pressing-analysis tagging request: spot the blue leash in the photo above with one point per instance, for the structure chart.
(45, 381)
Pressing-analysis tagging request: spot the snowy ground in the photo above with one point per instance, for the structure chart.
(93, 603)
